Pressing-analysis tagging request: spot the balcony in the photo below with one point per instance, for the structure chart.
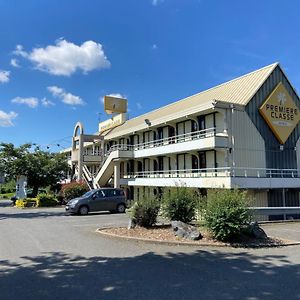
(210, 138)
(255, 178)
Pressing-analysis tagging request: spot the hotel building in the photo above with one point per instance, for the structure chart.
(243, 134)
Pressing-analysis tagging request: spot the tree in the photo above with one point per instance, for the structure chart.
(41, 168)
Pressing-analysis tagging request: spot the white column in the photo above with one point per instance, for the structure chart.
(116, 174)
(80, 157)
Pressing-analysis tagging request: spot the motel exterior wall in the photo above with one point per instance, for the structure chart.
(233, 136)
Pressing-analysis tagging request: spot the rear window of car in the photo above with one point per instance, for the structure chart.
(113, 192)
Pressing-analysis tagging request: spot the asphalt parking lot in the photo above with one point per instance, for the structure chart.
(287, 230)
(45, 254)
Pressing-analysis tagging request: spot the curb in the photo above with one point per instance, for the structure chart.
(182, 243)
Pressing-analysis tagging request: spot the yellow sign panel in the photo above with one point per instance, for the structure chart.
(113, 122)
(281, 113)
(115, 105)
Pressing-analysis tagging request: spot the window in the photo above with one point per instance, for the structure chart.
(201, 121)
(194, 126)
(99, 194)
(202, 158)
(161, 163)
(194, 162)
(115, 192)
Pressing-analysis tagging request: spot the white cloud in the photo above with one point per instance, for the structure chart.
(45, 102)
(66, 98)
(20, 52)
(6, 119)
(15, 63)
(65, 58)
(55, 91)
(139, 105)
(116, 95)
(32, 102)
(4, 76)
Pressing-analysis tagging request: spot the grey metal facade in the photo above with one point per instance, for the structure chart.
(275, 158)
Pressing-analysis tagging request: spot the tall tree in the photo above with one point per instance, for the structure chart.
(41, 168)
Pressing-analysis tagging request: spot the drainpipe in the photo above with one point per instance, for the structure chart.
(232, 137)
(283, 202)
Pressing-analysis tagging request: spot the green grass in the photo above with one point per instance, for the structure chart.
(6, 196)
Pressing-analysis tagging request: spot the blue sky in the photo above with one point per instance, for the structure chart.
(59, 58)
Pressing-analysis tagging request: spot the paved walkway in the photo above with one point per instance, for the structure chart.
(47, 255)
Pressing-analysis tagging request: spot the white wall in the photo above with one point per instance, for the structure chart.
(210, 159)
(209, 121)
(188, 161)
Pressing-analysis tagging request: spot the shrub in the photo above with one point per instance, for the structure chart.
(8, 187)
(6, 196)
(73, 190)
(46, 200)
(226, 213)
(179, 204)
(144, 212)
(201, 205)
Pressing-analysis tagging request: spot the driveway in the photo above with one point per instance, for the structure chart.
(288, 230)
(47, 255)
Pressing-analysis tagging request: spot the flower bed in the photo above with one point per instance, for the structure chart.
(164, 233)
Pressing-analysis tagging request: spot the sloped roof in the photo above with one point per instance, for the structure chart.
(237, 91)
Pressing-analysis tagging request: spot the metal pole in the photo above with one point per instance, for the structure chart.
(283, 202)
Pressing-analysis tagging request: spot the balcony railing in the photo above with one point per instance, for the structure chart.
(201, 134)
(196, 135)
(218, 172)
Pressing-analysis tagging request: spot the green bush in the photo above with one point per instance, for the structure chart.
(8, 187)
(144, 212)
(73, 190)
(46, 200)
(6, 196)
(226, 213)
(179, 204)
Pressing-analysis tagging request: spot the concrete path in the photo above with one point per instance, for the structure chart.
(47, 255)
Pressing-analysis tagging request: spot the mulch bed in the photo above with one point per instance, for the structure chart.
(165, 233)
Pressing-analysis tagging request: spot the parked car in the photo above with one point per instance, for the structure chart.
(103, 199)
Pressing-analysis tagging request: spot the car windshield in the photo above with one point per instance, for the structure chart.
(89, 193)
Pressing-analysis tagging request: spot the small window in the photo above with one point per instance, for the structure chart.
(99, 194)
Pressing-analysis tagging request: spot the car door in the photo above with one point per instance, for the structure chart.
(111, 199)
(97, 202)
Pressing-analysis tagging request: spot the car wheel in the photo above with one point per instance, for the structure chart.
(121, 208)
(83, 210)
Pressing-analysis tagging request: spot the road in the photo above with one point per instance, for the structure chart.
(45, 254)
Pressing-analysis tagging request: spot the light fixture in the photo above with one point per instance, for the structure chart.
(147, 121)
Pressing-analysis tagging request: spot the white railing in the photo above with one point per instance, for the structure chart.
(201, 134)
(218, 172)
(87, 173)
(93, 153)
(196, 135)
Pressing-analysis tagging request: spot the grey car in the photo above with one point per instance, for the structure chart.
(103, 199)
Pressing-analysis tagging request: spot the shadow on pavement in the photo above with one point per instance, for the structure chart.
(200, 275)
(5, 203)
(30, 215)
